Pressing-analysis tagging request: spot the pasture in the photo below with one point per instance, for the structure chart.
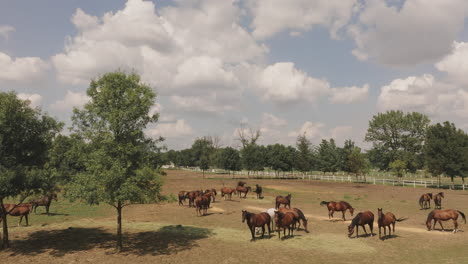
(169, 233)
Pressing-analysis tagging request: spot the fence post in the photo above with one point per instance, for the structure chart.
(414, 183)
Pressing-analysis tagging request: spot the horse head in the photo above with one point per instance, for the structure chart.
(442, 194)
(350, 230)
(430, 195)
(289, 196)
(351, 210)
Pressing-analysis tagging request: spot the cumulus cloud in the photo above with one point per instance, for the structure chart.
(177, 129)
(310, 129)
(456, 63)
(22, 69)
(34, 99)
(348, 95)
(270, 120)
(5, 31)
(70, 101)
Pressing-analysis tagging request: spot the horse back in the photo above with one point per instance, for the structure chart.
(367, 217)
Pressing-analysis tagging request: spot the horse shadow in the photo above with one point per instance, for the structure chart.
(448, 230)
(53, 214)
(57, 243)
(366, 235)
(389, 237)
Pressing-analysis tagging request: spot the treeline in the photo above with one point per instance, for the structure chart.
(401, 142)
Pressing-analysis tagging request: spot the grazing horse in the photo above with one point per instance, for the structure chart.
(225, 191)
(284, 221)
(21, 210)
(361, 219)
(202, 203)
(191, 196)
(182, 196)
(283, 200)
(243, 190)
(258, 191)
(256, 220)
(338, 206)
(298, 216)
(438, 200)
(387, 219)
(214, 193)
(271, 212)
(46, 200)
(241, 183)
(444, 215)
(425, 201)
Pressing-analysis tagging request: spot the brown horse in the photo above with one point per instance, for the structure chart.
(286, 220)
(286, 200)
(256, 220)
(183, 195)
(241, 183)
(444, 215)
(191, 197)
(298, 215)
(258, 191)
(425, 201)
(338, 206)
(387, 219)
(361, 219)
(243, 190)
(202, 203)
(21, 210)
(438, 200)
(214, 193)
(46, 200)
(225, 191)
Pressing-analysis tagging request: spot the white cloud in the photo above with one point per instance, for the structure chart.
(311, 130)
(274, 16)
(34, 99)
(270, 120)
(70, 101)
(5, 31)
(22, 69)
(177, 129)
(341, 133)
(456, 63)
(348, 95)
(419, 32)
(206, 104)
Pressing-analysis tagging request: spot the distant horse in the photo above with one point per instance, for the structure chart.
(258, 191)
(438, 200)
(191, 196)
(183, 195)
(256, 220)
(338, 206)
(243, 190)
(283, 200)
(361, 219)
(241, 183)
(425, 201)
(46, 200)
(210, 194)
(387, 219)
(298, 216)
(21, 210)
(271, 212)
(284, 221)
(225, 191)
(444, 215)
(214, 193)
(202, 203)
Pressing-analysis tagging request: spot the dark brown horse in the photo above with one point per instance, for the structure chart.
(258, 191)
(191, 197)
(298, 216)
(46, 200)
(183, 195)
(21, 210)
(444, 215)
(286, 220)
(225, 191)
(385, 220)
(361, 219)
(438, 200)
(214, 193)
(256, 220)
(340, 206)
(202, 203)
(425, 201)
(241, 183)
(286, 200)
(242, 190)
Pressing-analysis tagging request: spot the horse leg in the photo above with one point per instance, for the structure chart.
(357, 231)
(380, 236)
(344, 219)
(263, 231)
(27, 221)
(440, 223)
(252, 231)
(456, 226)
(332, 211)
(365, 231)
(269, 230)
(371, 226)
(47, 209)
(19, 222)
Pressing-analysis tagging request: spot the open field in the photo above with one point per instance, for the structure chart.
(168, 233)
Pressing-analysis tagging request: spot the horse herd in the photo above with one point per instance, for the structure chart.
(23, 209)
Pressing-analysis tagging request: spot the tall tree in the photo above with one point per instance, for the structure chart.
(346, 151)
(119, 157)
(280, 158)
(26, 136)
(356, 162)
(304, 155)
(228, 159)
(328, 156)
(203, 151)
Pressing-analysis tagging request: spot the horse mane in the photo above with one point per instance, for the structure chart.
(356, 219)
(324, 203)
(347, 204)
(301, 214)
(430, 195)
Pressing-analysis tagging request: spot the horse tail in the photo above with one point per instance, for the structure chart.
(401, 219)
(421, 200)
(324, 203)
(463, 215)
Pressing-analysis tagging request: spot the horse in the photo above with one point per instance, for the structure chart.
(338, 206)
(225, 191)
(271, 212)
(298, 215)
(425, 201)
(46, 200)
(182, 196)
(244, 190)
(256, 220)
(283, 200)
(387, 219)
(258, 191)
(21, 210)
(241, 183)
(202, 203)
(214, 193)
(444, 215)
(191, 196)
(438, 200)
(361, 219)
(284, 221)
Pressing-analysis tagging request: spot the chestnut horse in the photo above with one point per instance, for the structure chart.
(286, 200)
(444, 215)
(211, 193)
(338, 206)
(284, 221)
(21, 210)
(182, 196)
(202, 203)
(243, 190)
(361, 219)
(438, 200)
(387, 219)
(46, 200)
(191, 197)
(258, 191)
(425, 201)
(298, 215)
(256, 220)
(241, 183)
(225, 191)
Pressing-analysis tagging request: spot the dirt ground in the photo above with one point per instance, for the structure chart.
(169, 233)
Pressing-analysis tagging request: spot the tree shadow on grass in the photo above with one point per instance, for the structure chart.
(165, 241)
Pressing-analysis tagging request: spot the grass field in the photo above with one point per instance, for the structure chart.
(168, 233)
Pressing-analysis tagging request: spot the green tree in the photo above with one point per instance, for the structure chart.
(304, 154)
(228, 159)
(328, 156)
(356, 162)
(119, 167)
(345, 154)
(203, 153)
(26, 136)
(280, 158)
(398, 167)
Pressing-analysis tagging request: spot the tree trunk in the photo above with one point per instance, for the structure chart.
(6, 242)
(119, 226)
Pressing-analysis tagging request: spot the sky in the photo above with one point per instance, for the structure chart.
(319, 67)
